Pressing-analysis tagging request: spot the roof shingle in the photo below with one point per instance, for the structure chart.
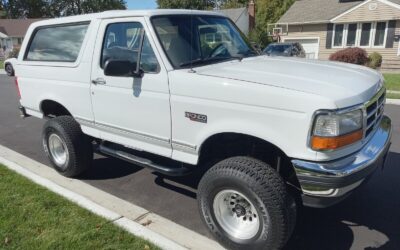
(16, 27)
(318, 11)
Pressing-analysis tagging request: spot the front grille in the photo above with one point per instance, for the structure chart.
(374, 110)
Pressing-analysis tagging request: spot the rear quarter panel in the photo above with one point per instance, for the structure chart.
(63, 82)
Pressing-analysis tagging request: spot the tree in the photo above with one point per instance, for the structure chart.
(57, 8)
(232, 4)
(267, 12)
(77, 7)
(186, 4)
(24, 8)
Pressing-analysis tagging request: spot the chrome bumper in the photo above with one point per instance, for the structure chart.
(337, 178)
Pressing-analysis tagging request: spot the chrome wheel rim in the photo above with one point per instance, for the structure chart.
(58, 150)
(236, 214)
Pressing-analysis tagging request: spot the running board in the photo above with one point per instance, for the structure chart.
(143, 162)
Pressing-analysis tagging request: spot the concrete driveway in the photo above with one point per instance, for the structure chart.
(370, 219)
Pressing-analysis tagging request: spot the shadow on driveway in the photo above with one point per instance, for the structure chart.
(369, 219)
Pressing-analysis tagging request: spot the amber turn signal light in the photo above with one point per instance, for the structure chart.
(329, 143)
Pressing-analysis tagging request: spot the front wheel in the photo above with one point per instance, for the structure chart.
(245, 204)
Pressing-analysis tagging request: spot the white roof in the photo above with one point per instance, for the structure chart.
(124, 13)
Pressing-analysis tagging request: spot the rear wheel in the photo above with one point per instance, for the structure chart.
(69, 150)
(9, 69)
(245, 204)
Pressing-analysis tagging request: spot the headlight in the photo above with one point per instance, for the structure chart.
(335, 130)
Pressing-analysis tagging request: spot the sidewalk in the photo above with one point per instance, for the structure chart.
(134, 219)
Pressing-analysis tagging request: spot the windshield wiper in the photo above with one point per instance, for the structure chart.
(211, 59)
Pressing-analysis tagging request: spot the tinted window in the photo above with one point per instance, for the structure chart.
(365, 34)
(278, 49)
(351, 34)
(61, 43)
(122, 42)
(338, 39)
(380, 33)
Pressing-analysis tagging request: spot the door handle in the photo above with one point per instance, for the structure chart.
(99, 81)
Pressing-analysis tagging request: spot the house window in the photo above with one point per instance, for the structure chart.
(365, 34)
(351, 34)
(380, 34)
(338, 37)
(360, 34)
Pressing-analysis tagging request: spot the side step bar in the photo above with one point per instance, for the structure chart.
(143, 162)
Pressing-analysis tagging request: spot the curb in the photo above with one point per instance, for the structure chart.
(121, 213)
(393, 101)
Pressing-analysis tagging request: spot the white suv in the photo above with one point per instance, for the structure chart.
(268, 133)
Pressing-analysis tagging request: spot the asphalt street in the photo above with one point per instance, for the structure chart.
(369, 219)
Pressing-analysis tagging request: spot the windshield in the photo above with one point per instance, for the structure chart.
(278, 49)
(190, 40)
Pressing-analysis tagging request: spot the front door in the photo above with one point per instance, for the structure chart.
(131, 111)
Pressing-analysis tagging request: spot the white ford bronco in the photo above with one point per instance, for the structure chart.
(180, 91)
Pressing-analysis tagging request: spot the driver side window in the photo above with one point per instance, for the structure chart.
(122, 42)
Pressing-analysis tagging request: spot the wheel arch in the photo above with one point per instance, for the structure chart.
(229, 144)
(51, 108)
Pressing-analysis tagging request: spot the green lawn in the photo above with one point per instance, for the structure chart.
(392, 81)
(32, 217)
(1, 64)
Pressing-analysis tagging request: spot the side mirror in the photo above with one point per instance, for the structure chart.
(118, 68)
(114, 67)
(122, 68)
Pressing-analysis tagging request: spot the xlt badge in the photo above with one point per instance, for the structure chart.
(196, 117)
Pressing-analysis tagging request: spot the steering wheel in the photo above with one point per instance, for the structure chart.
(220, 47)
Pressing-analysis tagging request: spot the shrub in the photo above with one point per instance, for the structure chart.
(374, 60)
(351, 55)
(14, 53)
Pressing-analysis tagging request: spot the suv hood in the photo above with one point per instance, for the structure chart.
(345, 84)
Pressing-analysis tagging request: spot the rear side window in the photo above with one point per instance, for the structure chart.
(57, 43)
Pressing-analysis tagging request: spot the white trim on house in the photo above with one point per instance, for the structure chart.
(358, 35)
(284, 39)
(350, 10)
(313, 22)
(398, 50)
(374, 35)
(395, 5)
(362, 4)
(343, 36)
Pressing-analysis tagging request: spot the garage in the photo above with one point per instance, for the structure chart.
(310, 45)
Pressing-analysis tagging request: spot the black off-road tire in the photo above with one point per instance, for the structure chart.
(78, 145)
(9, 69)
(264, 188)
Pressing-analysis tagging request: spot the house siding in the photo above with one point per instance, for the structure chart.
(364, 14)
(320, 31)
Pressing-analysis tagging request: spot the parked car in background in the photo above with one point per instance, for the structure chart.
(285, 49)
(8, 66)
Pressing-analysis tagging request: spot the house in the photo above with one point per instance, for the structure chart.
(12, 32)
(326, 26)
(244, 18)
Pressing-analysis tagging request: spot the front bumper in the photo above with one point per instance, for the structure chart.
(326, 183)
